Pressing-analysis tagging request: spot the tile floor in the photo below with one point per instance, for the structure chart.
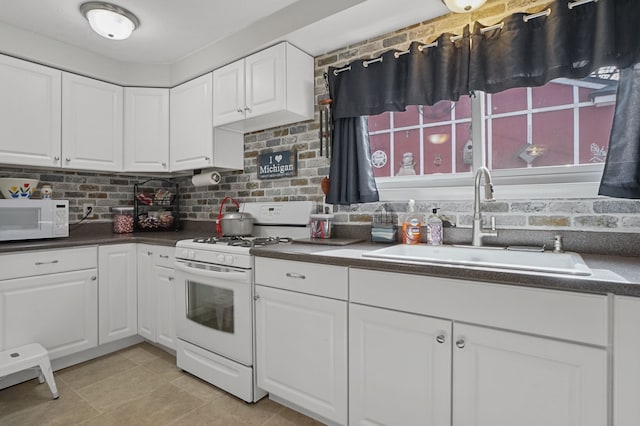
(140, 385)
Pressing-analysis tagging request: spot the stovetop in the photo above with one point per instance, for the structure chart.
(272, 220)
(243, 241)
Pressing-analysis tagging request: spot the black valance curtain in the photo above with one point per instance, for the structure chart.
(567, 39)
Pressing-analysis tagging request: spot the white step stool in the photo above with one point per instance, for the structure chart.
(29, 356)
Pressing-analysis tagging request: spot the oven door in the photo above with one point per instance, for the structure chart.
(213, 306)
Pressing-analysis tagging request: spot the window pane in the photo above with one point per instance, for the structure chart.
(379, 122)
(552, 94)
(437, 150)
(463, 108)
(552, 139)
(595, 127)
(380, 149)
(508, 137)
(464, 150)
(410, 117)
(508, 101)
(406, 151)
(437, 113)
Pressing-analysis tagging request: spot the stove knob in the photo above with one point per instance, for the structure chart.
(229, 259)
(221, 258)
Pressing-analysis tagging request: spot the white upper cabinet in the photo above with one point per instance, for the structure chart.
(269, 88)
(29, 113)
(91, 124)
(191, 125)
(146, 129)
(195, 144)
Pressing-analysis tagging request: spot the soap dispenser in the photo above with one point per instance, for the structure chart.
(434, 228)
(412, 225)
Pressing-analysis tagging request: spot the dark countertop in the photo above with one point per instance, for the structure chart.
(611, 274)
(100, 234)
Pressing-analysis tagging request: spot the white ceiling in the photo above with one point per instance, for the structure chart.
(172, 31)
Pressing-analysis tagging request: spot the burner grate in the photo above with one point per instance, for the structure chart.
(243, 241)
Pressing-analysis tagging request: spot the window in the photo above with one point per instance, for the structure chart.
(532, 137)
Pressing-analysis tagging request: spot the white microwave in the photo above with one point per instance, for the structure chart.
(33, 219)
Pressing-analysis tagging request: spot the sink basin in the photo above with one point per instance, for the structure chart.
(549, 262)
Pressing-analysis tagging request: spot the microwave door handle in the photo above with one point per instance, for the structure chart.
(229, 275)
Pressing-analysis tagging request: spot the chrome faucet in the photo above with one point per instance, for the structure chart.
(478, 232)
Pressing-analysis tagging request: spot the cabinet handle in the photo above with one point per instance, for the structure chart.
(56, 158)
(207, 158)
(171, 278)
(240, 110)
(149, 253)
(164, 256)
(53, 262)
(296, 275)
(93, 278)
(460, 343)
(164, 165)
(440, 338)
(256, 297)
(67, 159)
(247, 109)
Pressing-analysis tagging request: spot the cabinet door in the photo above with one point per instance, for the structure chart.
(146, 293)
(228, 93)
(59, 311)
(146, 129)
(91, 124)
(265, 81)
(504, 378)
(302, 350)
(626, 368)
(165, 315)
(30, 119)
(191, 127)
(399, 368)
(117, 295)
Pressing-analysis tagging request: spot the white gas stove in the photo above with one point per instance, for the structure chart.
(214, 297)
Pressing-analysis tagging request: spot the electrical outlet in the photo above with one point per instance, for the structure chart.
(87, 210)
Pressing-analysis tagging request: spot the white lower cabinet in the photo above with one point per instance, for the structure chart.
(54, 302)
(399, 368)
(301, 338)
(156, 316)
(504, 378)
(117, 293)
(411, 368)
(165, 306)
(626, 361)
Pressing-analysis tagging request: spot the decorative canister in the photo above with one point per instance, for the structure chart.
(320, 225)
(46, 191)
(122, 220)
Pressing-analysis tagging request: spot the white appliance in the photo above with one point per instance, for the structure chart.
(214, 297)
(33, 219)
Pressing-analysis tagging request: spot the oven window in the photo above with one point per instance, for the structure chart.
(210, 306)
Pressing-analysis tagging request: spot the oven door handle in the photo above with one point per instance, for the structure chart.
(230, 275)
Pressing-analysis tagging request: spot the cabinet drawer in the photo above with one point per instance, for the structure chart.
(310, 278)
(31, 263)
(559, 314)
(163, 256)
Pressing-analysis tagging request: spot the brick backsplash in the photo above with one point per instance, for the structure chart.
(202, 203)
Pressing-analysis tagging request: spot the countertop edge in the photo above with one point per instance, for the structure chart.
(626, 268)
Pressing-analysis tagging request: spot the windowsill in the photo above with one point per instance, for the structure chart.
(525, 184)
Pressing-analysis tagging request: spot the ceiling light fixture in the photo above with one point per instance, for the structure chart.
(108, 20)
(463, 6)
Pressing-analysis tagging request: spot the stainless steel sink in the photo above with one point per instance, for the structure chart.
(549, 262)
